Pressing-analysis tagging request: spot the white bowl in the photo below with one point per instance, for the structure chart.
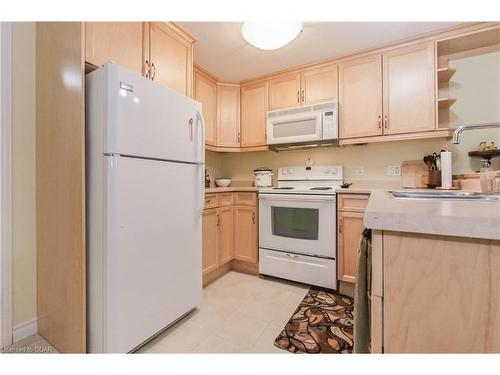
(223, 182)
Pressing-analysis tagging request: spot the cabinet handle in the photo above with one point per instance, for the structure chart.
(303, 96)
(253, 217)
(380, 122)
(340, 225)
(218, 220)
(153, 71)
(386, 122)
(298, 96)
(147, 69)
(239, 137)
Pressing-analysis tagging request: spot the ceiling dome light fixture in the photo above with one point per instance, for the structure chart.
(270, 35)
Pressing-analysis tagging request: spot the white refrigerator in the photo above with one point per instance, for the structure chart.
(145, 187)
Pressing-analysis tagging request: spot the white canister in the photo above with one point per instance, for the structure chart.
(263, 177)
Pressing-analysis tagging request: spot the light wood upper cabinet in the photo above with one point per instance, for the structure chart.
(226, 235)
(254, 103)
(245, 235)
(350, 227)
(409, 89)
(125, 43)
(228, 115)
(205, 91)
(171, 57)
(360, 97)
(284, 91)
(319, 85)
(210, 245)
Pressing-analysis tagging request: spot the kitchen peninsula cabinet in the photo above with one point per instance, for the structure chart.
(230, 223)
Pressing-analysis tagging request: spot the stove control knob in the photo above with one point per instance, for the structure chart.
(334, 171)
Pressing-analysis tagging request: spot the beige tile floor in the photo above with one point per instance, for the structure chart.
(239, 314)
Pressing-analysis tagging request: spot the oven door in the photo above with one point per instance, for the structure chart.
(303, 127)
(304, 224)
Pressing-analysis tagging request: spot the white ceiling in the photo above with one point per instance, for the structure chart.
(222, 51)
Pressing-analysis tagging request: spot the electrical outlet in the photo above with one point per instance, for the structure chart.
(360, 170)
(393, 170)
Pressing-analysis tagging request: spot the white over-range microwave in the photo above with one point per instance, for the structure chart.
(303, 125)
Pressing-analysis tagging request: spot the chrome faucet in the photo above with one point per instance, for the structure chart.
(458, 131)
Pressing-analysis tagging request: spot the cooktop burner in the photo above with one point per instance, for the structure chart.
(321, 188)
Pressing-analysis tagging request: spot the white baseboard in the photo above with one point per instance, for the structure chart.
(24, 329)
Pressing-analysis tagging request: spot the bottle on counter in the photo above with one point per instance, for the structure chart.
(446, 168)
(487, 178)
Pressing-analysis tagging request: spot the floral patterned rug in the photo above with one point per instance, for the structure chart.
(321, 324)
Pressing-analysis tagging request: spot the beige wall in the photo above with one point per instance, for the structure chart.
(23, 173)
(476, 85)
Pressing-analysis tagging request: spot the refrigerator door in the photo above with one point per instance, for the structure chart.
(146, 119)
(152, 248)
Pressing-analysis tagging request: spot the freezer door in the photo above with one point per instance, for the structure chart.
(149, 120)
(153, 248)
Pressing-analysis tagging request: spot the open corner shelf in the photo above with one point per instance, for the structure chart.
(446, 102)
(445, 74)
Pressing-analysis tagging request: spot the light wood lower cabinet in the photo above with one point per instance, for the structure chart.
(440, 294)
(350, 225)
(210, 240)
(226, 234)
(229, 234)
(245, 236)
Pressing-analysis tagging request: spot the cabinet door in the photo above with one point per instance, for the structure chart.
(125, 43)
(350, 227)
(245, 233)
(226, 235)
(284, 91)
(319, 85)
(360, 97)
(409, 89)
(210, 240)
(205, 91)
(254, 102)
(171, 55)
(228, 115)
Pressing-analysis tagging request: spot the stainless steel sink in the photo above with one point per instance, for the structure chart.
(446, 195)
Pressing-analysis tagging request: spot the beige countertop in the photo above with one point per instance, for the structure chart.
(442, 217)
(367, 186)
(230, 189)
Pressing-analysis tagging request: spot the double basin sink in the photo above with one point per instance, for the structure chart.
(446, 195)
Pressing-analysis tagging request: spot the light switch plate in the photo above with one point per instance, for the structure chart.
(360, 170)
(394, 170)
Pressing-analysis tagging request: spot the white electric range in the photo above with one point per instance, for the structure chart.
(298, 226)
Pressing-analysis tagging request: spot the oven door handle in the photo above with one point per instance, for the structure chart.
(297, 197)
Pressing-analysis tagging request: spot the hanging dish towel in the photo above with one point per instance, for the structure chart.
(362, 294)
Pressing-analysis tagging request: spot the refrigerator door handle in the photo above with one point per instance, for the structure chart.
(201, 196)
(201, 122)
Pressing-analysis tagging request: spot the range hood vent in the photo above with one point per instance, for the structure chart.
(304, 145)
